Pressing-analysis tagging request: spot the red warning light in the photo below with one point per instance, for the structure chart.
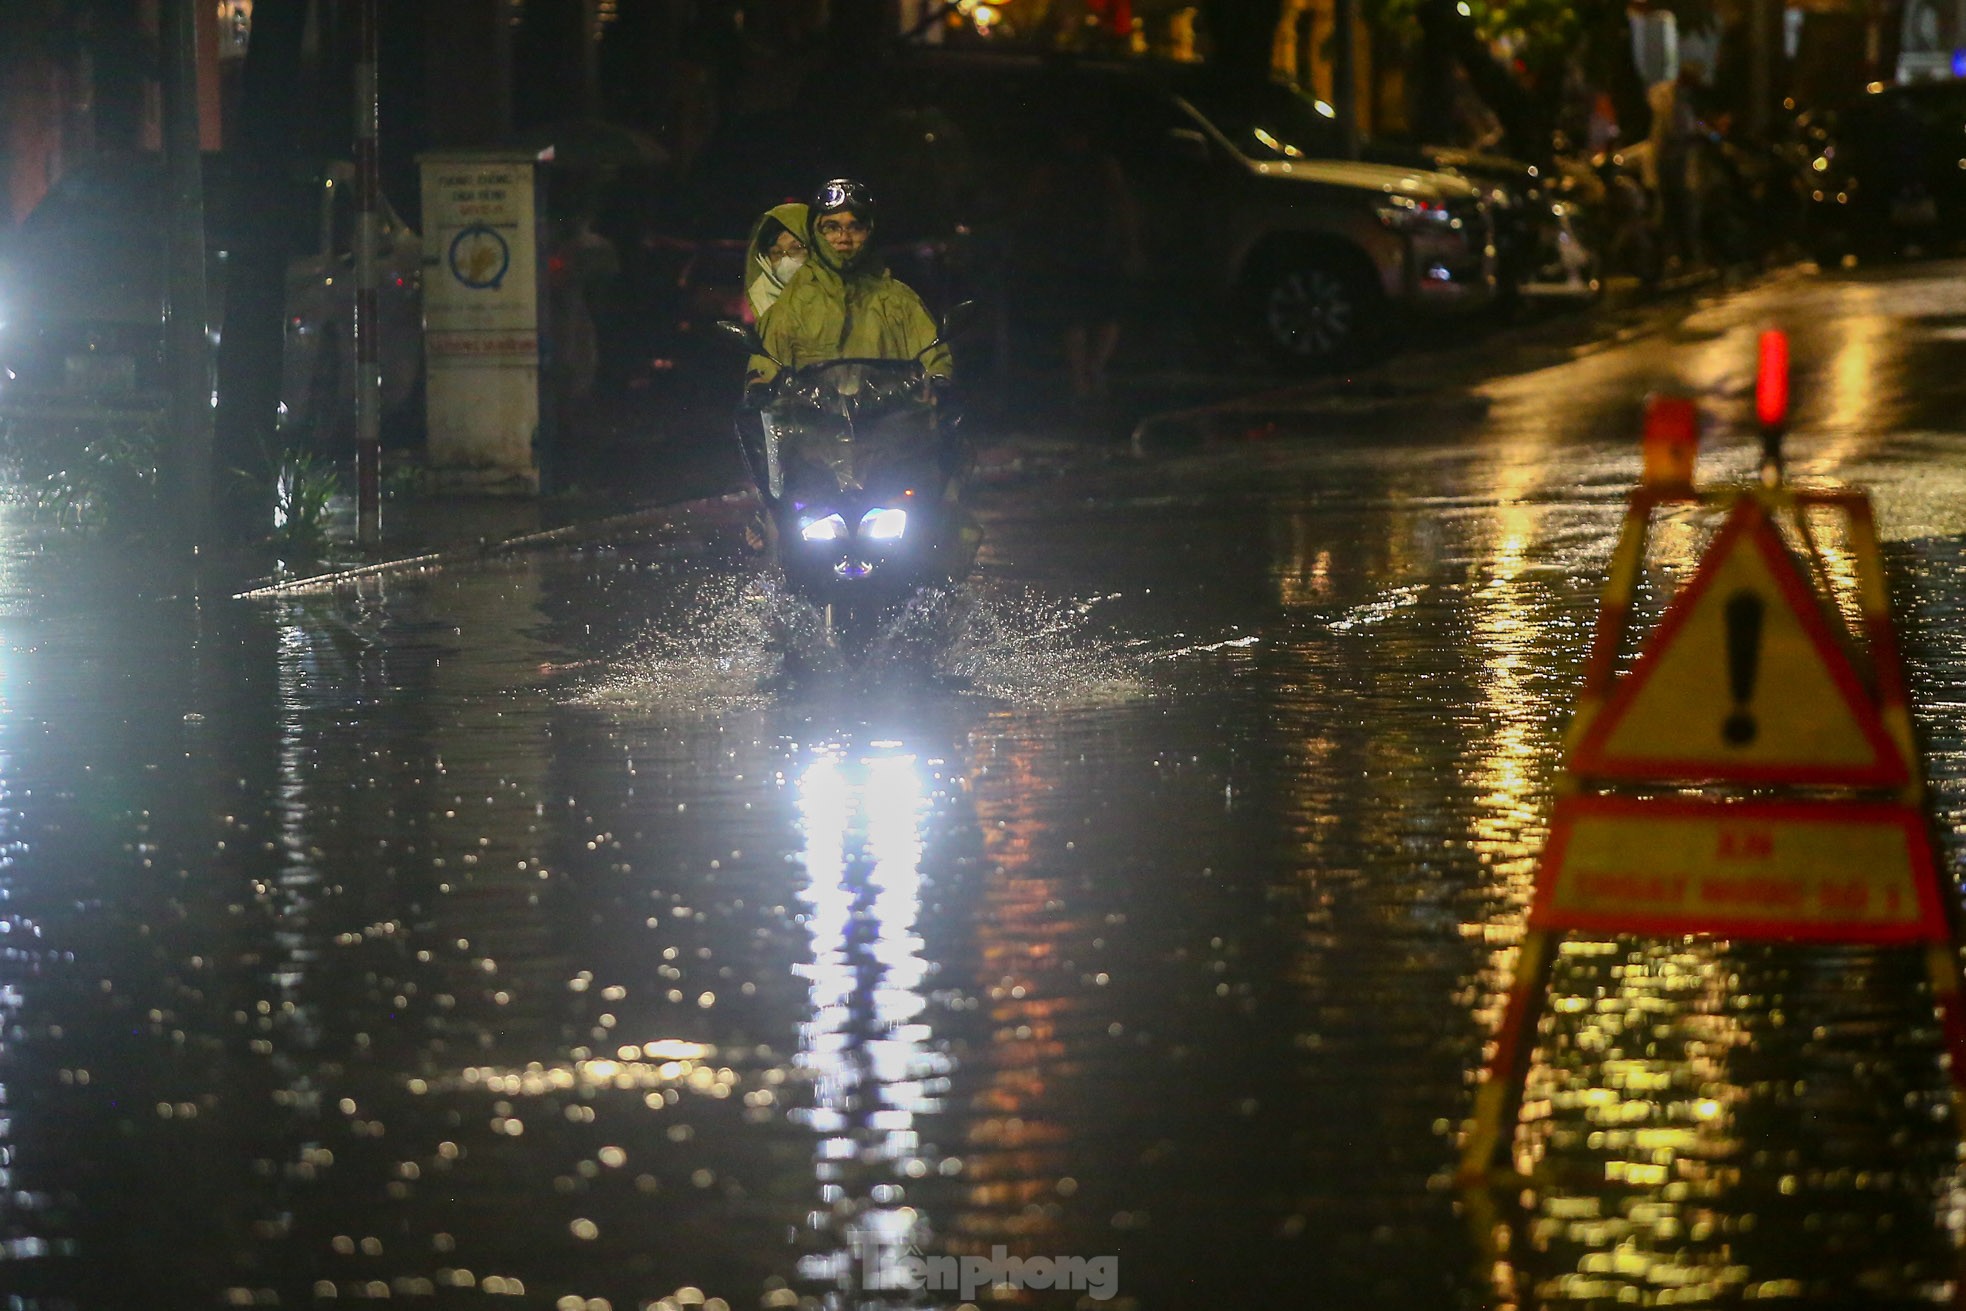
(1771, 383)
(1672, 441)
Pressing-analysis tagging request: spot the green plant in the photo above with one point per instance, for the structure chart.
(302, 495)
(99, 478)
(93, 477)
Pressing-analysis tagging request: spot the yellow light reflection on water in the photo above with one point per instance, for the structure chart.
(1607, 1100)
(1635, 1086)
(1015, 1158)
(1508, 765)
(1853, 387)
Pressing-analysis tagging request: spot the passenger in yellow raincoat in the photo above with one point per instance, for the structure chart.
(778, 248)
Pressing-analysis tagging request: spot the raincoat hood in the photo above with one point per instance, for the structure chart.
(792, 217)
(762, 284)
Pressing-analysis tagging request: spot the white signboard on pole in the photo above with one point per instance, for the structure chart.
(481, 309)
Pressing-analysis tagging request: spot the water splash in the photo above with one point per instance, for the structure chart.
(737, 644)
(1028, 649)
(721, 654)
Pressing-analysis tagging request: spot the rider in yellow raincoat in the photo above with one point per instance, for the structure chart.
(843, 303)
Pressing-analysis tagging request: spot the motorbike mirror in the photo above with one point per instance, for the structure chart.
(743, 333)
(959, 318)
(748, 335)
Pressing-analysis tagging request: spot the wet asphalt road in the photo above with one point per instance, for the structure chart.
(1153, 910)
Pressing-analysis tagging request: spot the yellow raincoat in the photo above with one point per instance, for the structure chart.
(765, 285)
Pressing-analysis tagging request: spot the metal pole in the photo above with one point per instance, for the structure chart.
(185, 458)
(368, 367)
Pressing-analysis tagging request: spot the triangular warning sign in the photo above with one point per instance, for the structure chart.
(1743, 682)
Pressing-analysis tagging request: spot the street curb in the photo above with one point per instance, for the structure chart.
(333, 580)
(1265, 414)
(1024, 461)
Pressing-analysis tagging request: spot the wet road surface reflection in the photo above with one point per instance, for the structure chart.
(1156, 905)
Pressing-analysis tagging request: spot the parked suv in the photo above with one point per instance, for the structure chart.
(1244, 213)
(83, 287)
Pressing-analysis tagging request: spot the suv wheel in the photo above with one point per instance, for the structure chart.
(1316, 312)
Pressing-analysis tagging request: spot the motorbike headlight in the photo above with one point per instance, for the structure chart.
(829, 529)
(884, 525)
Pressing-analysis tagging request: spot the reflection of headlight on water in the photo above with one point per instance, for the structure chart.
(862, 820)
(647, 1067)
(866, 1045)
(829, 529)
(884, 525)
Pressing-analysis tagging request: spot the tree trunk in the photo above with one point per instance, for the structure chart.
(126, 57)
(861, 29)
(1432, 90)
(263, 203)
(185, 454)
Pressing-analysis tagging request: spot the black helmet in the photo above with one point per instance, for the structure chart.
(844, 194)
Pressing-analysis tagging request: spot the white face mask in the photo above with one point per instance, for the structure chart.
(786, 266)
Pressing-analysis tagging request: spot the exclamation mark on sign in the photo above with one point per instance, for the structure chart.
(1743, 656)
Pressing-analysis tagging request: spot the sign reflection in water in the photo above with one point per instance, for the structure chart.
(866, 1047)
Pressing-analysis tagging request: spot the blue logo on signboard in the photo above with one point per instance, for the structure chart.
(1959, 63)
(479, 258)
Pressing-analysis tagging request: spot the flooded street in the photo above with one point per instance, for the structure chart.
(518, 935)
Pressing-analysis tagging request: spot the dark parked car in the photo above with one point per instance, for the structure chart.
(1885, 172)
(1246, 224)
(82, 296)
(1541, 252)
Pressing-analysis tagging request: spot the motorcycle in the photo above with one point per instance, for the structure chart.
(860, 466)
(1607, 197)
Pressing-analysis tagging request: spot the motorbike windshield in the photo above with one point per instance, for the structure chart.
(842, 422)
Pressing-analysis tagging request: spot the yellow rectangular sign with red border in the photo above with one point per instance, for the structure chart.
(1820, 871)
